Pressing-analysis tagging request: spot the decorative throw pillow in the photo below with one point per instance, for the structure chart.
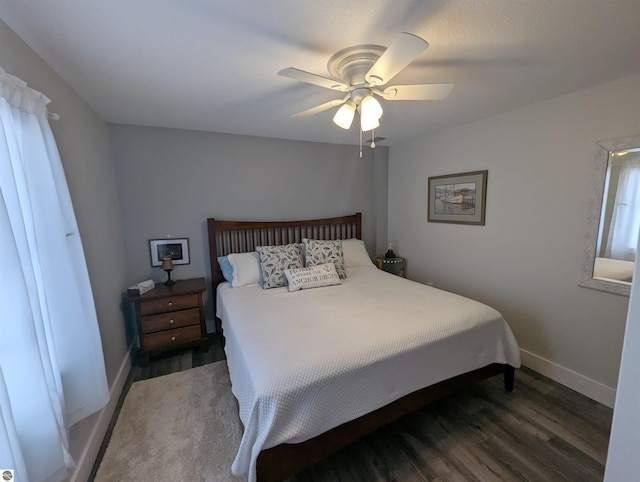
(275, 259)
(321, 252)
(312, 277)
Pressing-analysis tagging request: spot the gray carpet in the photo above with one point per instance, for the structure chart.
(177, 427)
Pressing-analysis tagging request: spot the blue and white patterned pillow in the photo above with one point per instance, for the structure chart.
(321, 252)
(275, 259)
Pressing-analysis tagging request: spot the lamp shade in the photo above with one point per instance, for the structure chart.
(369, 124)
(370, 113)
(167, 263)
(344, 116)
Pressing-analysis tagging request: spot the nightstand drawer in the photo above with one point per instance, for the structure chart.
(169, 303)
(168, 321)
(166, 339)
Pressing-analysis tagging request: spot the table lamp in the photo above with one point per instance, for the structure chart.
(167, 265)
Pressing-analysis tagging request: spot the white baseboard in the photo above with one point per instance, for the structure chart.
(581, 384)
(91, 449)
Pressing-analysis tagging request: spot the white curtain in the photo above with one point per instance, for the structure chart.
(52, 370)
(625, 221)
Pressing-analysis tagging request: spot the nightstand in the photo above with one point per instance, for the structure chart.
(397, 265)
(171, 317)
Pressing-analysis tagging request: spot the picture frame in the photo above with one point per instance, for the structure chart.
(177, 248)
(457, 198)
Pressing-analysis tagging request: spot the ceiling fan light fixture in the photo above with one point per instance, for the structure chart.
(371, 107)
(344, 115)
(370, 113)
(362, 72)
(369, 124)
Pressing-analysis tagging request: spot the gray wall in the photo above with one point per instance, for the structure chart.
(172, 180)
(83, 143)
(526, 260)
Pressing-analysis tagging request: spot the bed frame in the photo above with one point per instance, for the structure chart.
(278, 463)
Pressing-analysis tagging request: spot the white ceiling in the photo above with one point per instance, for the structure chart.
(212, 64)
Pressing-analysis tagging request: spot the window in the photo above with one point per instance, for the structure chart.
(622, 240)
(51, 363)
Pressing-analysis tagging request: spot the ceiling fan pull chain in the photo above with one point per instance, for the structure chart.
(373, 138)
(360, 142)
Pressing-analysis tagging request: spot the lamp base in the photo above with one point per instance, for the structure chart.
(169, 281)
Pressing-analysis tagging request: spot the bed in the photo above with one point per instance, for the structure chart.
(613, 269)
(316, 369)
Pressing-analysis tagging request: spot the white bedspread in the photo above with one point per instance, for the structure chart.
(302, 363)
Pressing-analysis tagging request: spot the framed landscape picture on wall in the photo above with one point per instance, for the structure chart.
(457, 198)
(177, 249)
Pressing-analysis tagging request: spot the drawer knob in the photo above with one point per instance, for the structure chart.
(173, 338)
(170, 303)
(171, 322)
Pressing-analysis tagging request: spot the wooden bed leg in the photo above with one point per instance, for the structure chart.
(509, 377)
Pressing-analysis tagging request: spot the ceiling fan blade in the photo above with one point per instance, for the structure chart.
(417, 92)
(319, 108)
(308, 77)
(398, 55)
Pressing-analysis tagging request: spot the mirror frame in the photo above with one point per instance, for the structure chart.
(594, 208)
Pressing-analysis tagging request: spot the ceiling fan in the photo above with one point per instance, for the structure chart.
(362, 72)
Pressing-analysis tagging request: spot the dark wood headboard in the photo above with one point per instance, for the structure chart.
(227, 237)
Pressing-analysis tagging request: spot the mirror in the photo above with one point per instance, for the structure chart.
(614, 217)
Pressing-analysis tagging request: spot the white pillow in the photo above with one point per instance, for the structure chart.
(355, 253)
(246, 269)
(312, 277)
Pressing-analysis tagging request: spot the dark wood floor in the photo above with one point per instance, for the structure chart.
(541, 431)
